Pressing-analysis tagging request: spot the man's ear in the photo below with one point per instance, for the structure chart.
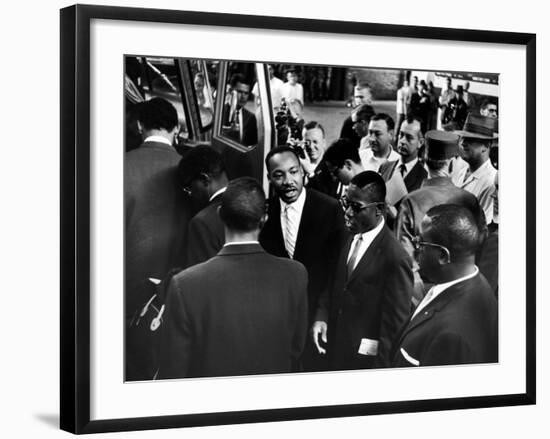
(204, 178)
(263, 220)
(444, 257)
(348, 164)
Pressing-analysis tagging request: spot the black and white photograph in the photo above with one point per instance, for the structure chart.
(297, 218)
(284, 218)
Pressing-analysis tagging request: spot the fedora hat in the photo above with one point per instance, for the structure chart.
(479, 127)
(441, 145)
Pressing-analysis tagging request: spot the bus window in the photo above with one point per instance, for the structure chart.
(203, 74)
(162, 81)
(242, 119)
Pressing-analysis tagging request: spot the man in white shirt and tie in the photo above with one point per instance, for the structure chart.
(457, 321)
(369, 299)
(304, 225)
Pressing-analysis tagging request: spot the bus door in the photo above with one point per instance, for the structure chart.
(243, 129)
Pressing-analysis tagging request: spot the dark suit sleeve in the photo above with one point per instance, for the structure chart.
(396, 306)
(336, 242)
(300, 328)
(202, 242)
(175, 346)
(446, 349)
(405, 226)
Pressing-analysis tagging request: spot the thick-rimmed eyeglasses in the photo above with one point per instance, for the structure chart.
(356, 207)
(419, 245)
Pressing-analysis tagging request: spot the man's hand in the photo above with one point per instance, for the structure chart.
(319, 327)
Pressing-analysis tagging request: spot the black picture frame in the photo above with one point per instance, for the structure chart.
(75, 217)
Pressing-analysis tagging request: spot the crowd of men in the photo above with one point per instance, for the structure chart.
(380, 250)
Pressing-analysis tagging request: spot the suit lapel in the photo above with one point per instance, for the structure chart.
(414, 178)
(307, 221)
(434, 307)
(369, 256)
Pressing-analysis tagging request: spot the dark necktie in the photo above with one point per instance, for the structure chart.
(403, 169)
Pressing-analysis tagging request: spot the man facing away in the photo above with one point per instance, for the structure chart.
(156, 215)
(242, 312)
(457, 321)
(369, 298)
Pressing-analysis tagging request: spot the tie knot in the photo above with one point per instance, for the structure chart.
(402, 168)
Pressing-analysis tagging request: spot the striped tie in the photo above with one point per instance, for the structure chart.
(290, 231)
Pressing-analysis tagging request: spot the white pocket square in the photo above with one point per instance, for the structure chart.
(410, 359)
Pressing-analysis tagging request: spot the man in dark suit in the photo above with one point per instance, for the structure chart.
(202, 176)
(304, 225)
(362, 95)
(156, 215)
(441, 147)
(409, 166)
(239, 123)
(242, 312)
(457, 321)
(370, 295)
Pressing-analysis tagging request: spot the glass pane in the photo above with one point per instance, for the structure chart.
(242, 116)
(163, 82)
(203, 73)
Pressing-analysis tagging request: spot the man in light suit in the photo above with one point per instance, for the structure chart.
(457, 321)
(304, 225)
(242, 312)
(156, 216)
(370, 295)
(202, 176)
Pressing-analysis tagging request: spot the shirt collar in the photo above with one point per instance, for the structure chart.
(218, 192)
(371, 234)
(158, 139)
(482, 170)
(408, 165)
(241, 243)
(298, 204)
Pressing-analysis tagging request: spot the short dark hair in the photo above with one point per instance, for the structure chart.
(202, 159)
(454, 227)
(385, 117)
(313, 125)
(157, 114)
(238, 77)
(243, 205)
(363, 84)
(279, 150)
(340, 151)
(372, 183)
(486, 102)
(364, 112)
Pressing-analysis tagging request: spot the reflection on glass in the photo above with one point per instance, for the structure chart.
(242, 118)
(163, 82)
(204, 73)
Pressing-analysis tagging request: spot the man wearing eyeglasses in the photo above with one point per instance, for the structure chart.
(370, 296)
(457, 321)
(202, 176)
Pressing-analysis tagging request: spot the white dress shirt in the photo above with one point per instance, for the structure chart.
(158, 139)
(366, 241)
(408, 166)
(481, 183)
(291, 225)
(372, 163)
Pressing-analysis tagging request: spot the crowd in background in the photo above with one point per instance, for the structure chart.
(378, 250)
